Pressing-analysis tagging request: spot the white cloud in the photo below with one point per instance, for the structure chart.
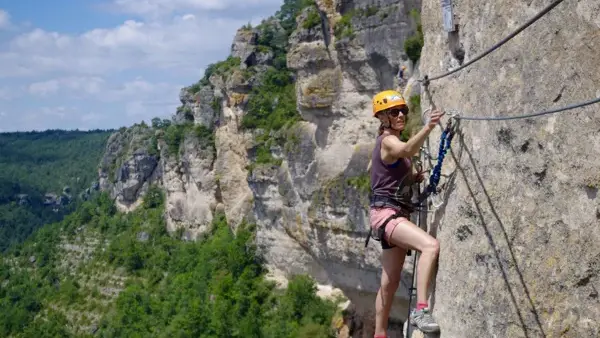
(44, 88)
(73, 85)
(155, 8)
(60, 111)
(125, 73)
(181, 44)
(5, 93)
(98, 88)
(144, 98)
(136, 87)
(4, 19)
(91, 117)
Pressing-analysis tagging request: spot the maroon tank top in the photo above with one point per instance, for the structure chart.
(391, 180)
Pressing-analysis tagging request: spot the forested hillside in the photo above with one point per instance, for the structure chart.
(105, 273)
(43, 176)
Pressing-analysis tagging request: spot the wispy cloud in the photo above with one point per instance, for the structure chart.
(87, 85)
(4, 19)
(124, 73)
(158, 8)
(175, 45)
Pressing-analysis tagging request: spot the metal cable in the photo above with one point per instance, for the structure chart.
(544, 112)
(497, 45)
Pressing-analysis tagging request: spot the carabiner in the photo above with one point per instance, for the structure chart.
(453, 113)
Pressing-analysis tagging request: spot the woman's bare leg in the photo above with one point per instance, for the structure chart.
(407, 234)
(392, 261)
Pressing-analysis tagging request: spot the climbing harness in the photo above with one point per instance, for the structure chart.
(401, 211)
(445, 144)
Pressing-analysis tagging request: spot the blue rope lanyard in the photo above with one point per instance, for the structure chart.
(445, 143)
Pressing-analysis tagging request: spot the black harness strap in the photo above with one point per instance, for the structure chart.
(378, 201)
(381, 229)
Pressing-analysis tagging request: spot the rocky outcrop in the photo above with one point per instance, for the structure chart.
(371, 46)
(23, 199)
(519, 229)
(190, 184)
(53, 200)
(244, 46)
(200, 107)
(231, 167)
(128, 168)
(95, 186)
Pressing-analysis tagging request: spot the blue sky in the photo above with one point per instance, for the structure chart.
(67, 64)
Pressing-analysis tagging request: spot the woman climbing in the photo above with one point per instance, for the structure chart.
(392, 179)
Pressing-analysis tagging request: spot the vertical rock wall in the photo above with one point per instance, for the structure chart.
(520, 230)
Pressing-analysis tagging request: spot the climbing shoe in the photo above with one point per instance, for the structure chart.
(424, 321)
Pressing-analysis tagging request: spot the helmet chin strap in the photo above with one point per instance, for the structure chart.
(392, 128)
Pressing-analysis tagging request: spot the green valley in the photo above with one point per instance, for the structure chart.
(43, 176)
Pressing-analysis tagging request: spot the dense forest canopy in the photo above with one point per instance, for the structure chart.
(214, 287)
(33, 164)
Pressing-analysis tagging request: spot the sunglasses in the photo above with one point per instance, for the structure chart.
(394, 112)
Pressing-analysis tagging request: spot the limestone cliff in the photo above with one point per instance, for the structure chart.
(519, 229)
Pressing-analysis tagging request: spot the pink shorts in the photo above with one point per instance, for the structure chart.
(379, 215)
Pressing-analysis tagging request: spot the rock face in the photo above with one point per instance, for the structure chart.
(243, 46)
(198, 107)
(190, 185)
(519, 230)
(127, 167)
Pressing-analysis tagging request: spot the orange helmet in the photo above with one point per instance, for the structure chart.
(386, 100)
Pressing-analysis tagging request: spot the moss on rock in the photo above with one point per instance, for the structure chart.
(237, 99)
(321, 89)
(305, 53)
